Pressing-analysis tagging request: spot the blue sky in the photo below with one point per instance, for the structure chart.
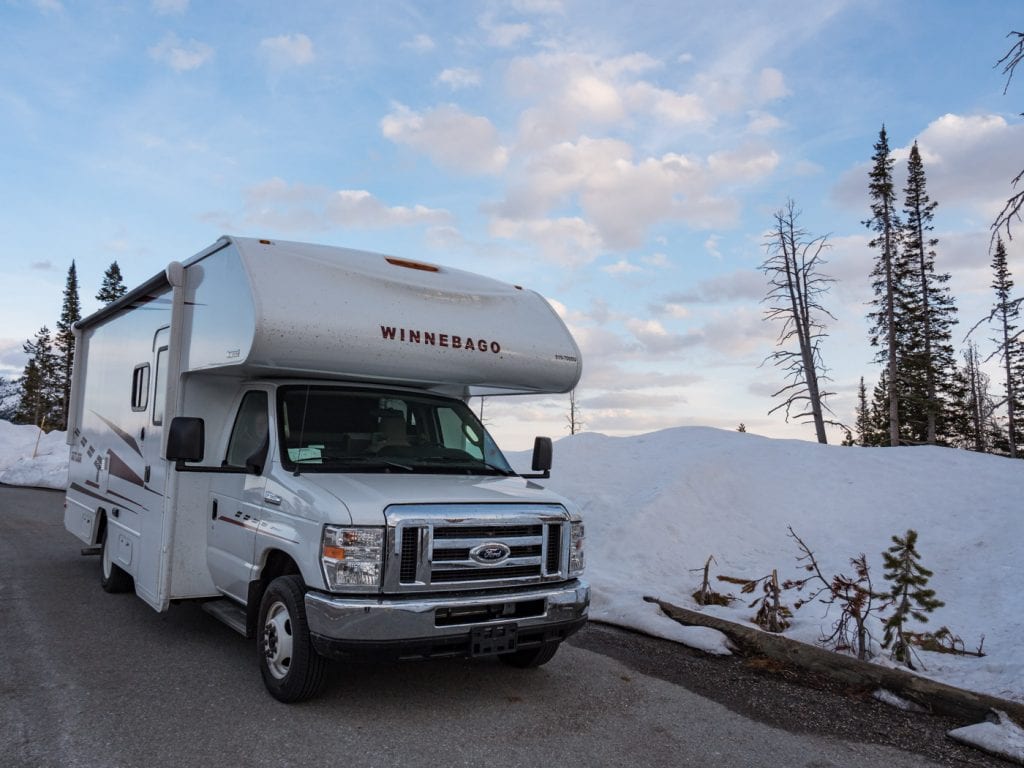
(624, 160)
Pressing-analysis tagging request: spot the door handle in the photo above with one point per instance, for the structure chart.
(214, 515)
(271, 498)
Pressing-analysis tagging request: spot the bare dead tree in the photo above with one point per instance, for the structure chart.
(1012, 210)
(856, 598)
(795, 288)
(573, 419)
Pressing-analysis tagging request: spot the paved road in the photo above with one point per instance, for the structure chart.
(91, 679)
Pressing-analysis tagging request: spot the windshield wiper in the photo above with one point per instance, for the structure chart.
(363, 462)
(450, 461)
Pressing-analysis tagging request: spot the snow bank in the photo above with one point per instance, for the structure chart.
(657, 505)
(49, 468)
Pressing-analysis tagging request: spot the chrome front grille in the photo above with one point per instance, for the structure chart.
(451, 547)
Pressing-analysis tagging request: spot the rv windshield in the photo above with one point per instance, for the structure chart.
(331, 429)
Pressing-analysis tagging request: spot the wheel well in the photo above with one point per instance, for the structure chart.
(277, 563)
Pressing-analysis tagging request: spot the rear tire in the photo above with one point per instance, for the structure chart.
(113, 578)
(292, 669)
(531, 657)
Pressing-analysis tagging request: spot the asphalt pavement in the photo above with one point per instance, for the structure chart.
(92, 679)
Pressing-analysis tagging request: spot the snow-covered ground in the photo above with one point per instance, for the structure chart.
(30, 457)
(657, 505)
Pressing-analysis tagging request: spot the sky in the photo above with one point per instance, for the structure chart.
(624, 160)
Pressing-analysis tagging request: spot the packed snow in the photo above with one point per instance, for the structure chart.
(658, 505)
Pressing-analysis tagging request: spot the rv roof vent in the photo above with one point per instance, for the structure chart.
(411, 264)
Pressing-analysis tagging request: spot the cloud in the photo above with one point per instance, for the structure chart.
(458, 78)
(288, 50)
(622, 198)
(501, 35)
(298, 207)
(181, 57)
(420, 44)
(453, 139)
(621, 267)
(744, 285)
(965, 161)
(654, 337)
(42, 266)
(569, 241)
(168, 7)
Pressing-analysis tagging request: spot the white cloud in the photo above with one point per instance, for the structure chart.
(711, 246)
(503, 35)
(457, 78)
(762, 123)
(167, 7)
(420, 44)
(299, 207)
(965, 162)
(771, 85)
(622, 198)
(179, 56)
(621, 267)
(288, 50)
(451, 138)
(657, 260)
(569, 241)
(49, 6)
(655, 339)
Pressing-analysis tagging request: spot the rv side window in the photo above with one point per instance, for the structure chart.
(140, 387)
(160, 390)
(250, 431)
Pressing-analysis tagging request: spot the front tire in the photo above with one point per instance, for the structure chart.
(113, 578)
(292, 669)
(531, 657)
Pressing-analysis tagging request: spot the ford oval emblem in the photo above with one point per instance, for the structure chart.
(491, 553)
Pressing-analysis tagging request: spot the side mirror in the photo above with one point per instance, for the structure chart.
(186, 439)
(542, 453)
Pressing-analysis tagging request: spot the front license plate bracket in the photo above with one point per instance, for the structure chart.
(488, 641)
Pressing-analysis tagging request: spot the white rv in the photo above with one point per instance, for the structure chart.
(281, 430)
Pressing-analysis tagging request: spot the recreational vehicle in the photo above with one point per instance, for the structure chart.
(281, 431)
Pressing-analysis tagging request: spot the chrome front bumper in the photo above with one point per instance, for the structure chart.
(424, 626)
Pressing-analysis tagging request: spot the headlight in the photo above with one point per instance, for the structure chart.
(577, 560)
(352, 558)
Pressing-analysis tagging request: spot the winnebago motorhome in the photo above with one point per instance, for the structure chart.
(281, 431)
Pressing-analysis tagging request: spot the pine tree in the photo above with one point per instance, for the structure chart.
(927, 314)
(909, 594)
(39, 401)
(1005, 312)
(887, 275)
(862, 417)
(64, 342)
(113, 287)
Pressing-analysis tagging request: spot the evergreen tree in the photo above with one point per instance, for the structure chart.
(887, 275)
(8, 398)
(909, 594)
(862, 417)
(927, 314)
(113, 287)
(1005, 313)
(39, 401)
(64, 343)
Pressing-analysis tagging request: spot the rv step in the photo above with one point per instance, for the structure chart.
(229, 612)
(97, 550)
